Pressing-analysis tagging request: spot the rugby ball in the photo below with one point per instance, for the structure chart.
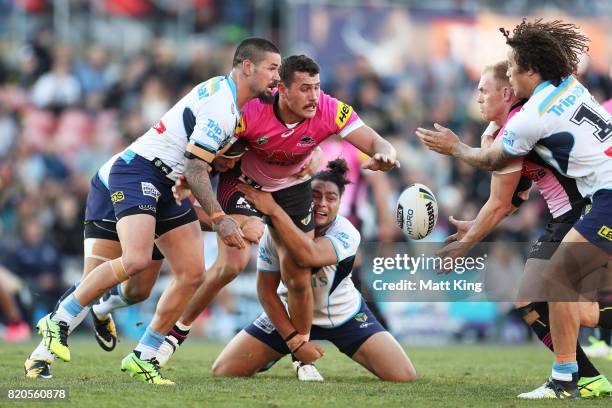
(417, 211)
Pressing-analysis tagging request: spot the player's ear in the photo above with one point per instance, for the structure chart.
(248, 67)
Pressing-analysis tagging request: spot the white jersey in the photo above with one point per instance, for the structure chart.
(336, 300)
(201, 123)
(569, 130)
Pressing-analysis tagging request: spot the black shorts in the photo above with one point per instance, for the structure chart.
(108, 230)
(296, 200)
(549, 241)
(348, 337)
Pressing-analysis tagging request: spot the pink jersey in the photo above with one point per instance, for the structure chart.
(354, 193)
(276, 151)
(559, 192)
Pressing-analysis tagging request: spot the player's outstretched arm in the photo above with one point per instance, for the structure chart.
(267, 284)
(197, 176)
(306, 253)
(445, 141)
(382, 153)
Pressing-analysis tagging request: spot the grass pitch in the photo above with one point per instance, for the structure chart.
(485, 376)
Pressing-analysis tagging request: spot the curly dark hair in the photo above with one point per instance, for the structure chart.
(336, 173)
(297, 63)
(549, 48)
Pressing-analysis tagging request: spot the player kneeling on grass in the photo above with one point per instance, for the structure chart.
(339, 316)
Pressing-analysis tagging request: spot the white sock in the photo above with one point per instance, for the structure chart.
(68, 309)
(113, 302)
(41, 352)
(149, 344)
(183, 327)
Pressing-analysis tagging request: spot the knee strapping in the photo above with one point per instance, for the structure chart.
(119, 269)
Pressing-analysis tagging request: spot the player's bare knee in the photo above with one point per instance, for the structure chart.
(134, 263)
(401, 374)
(230, 270)
(136, 294)
(219, 369)
(192, 278)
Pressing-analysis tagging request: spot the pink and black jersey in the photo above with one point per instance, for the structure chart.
(277, 151)
(560, 192)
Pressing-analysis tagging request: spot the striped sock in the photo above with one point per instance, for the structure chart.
(149, 344)
(564, 371)
(68, 309)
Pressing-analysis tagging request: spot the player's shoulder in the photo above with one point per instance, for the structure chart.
(344, 230)
(333, 110)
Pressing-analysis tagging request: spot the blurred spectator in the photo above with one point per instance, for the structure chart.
(36, 261)
(95, 76)
(57, 89)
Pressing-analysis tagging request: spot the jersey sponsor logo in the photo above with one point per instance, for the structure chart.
(280, 157)
(605, 232)
(262, 140)
(508, 137)
(343, 237)
(209, 87)
(306, 141)
(159, 127)
(564, 103)
(264, 255)
(306, 220)
(244, 204)
(149, 189)
(264, 324)
(361, 317)
(608, 152)
(366, 324)
(213, 130)
(343, 112)
(117, 196)
(287, 133)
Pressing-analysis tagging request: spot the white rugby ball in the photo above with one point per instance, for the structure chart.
(417, 211)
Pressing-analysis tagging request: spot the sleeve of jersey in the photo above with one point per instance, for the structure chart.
(267, 257)
(343, 119)
(208, 135)
(345, 240)
(520, 136)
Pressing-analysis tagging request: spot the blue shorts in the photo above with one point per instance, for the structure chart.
(99, 206)
(347, 337)
(100, 220)
(137, 186)
(595, 224)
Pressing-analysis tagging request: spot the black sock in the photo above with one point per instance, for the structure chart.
(537, 313)
(605, 315)
(179, 335)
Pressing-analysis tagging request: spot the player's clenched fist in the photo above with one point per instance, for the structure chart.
(252, 229)
(228, 229)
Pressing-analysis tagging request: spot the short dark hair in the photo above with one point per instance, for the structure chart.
(297, 63)
(336, 173)
(549, 48)
(253, 49)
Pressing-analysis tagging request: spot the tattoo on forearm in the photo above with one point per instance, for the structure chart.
(483, 158)
(196, 173)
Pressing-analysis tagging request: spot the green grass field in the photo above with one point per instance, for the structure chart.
(448, 376)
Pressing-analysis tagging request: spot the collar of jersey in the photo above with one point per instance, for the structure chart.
(232, 86)
(540, 87)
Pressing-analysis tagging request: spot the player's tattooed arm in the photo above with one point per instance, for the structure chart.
(445, 141)
(492, 158)
(197, 176)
